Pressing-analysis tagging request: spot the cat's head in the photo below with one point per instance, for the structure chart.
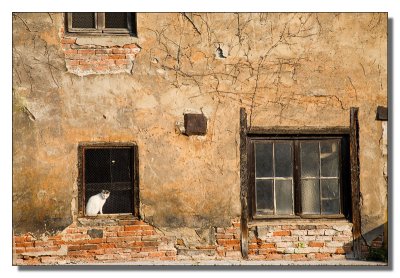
(105, 194)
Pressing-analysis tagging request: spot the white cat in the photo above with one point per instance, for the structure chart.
(96, 203)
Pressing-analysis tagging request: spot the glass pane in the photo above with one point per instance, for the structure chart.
(83, 20)
(116, 20)
(329, 159)
(121, 166)
(310, 198)
(331, 206)
(284, 196)
(265, 196)
(309, 157)
(263, 153)
(283, 160)
(330, 188)
(97, 166)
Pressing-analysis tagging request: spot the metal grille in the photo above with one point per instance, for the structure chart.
(83, 20)
(116, 20)
(110, 169)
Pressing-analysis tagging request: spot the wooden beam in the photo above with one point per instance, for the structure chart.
(244, 185)
(290, 130)
(355, 180)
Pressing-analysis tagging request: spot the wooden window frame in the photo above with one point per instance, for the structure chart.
(100, 28)
(295, 139)
(81, 176)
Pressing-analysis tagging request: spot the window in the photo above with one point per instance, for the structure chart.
(112, 168)
(102, 23)
(299, 177)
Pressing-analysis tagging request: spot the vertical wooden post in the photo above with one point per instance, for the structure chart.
(355, 181)
(243, 184)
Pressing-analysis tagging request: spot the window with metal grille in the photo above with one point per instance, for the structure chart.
(102, 23)
(112, 168)
(299, 177)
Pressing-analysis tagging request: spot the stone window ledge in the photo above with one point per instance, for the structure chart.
(104, 40)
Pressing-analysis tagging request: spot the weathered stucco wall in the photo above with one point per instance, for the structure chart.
(286, 69)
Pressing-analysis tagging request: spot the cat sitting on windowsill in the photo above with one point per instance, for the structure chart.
(96, 203)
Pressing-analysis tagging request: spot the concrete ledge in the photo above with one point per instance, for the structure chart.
(248, 263)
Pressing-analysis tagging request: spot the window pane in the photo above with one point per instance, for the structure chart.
(265, 196)
(264, 167)
(310, 198)
(121, 167)
(83, 20)
(331, 206)
(284, 196)
(118, 202)
(330, 188)
(116, 20)
(329, 159)
(97, 166)
(283, 160)
(309, 156)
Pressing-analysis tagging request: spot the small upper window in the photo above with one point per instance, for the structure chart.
(102, 23)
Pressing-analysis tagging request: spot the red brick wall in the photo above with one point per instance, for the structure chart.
(125, 240)
(96, 59)
(115, 240)
(300, 242)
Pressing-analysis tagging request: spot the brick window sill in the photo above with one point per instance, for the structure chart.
(106, 219)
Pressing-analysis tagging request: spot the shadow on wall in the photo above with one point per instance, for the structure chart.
(374, 245)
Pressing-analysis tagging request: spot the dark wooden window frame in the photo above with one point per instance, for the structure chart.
(100, 28)
(81, 175)
(295, 139)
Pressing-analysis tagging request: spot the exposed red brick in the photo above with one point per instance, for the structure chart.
(267, 245)
(148, 249)
(119, 50)
(106, 245)
(228, 241)
(86, 51)
(19, 250)
(281, 233)
(138, 227)
(68, 40)
(298, 257)
(24, 244)
(223, 236)
(340, 251)
(119, 239)
(170, 253)
(82, 247)
(274, 256)
(315, 244)
(156, 254)
(322, 256)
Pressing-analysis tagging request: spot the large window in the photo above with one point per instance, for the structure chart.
(102, 23)
(299, 177)
(110, 168)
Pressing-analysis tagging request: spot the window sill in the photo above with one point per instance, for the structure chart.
(297, 221)
(101, 39)
(105, 219)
